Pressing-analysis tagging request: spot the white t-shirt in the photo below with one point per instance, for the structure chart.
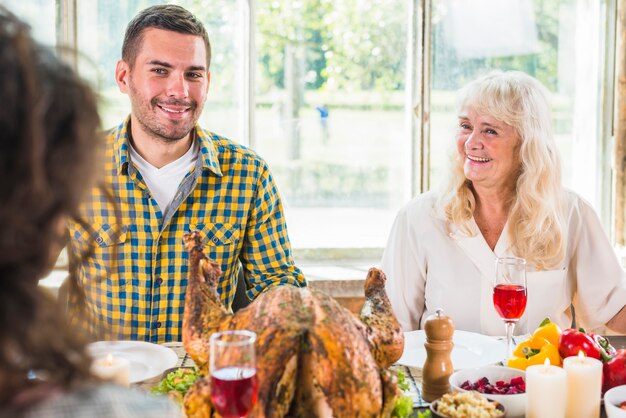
(430, 264)
(163, 182)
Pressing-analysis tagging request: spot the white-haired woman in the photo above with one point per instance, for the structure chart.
(504, 199)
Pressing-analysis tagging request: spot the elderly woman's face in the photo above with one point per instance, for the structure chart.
(489, 149)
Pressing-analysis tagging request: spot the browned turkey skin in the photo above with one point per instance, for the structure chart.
(314, 357)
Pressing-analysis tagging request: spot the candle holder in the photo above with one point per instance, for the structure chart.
(111, 368)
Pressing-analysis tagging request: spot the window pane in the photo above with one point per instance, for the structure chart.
(101, 26)
(39, 14)
(558, 42)
(329, 116)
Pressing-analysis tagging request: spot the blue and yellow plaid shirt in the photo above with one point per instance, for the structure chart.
(129, 259)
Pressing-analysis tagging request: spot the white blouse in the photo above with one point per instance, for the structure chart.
(430, 265)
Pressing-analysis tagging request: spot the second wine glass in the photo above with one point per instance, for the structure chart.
(510, 294)
(234, 382)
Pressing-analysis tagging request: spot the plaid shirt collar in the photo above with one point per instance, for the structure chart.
(208, 153)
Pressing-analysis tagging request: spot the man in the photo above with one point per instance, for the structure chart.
(165, 176)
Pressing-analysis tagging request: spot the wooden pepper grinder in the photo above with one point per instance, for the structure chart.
(438, 365)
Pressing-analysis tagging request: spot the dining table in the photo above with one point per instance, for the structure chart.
(413, 375)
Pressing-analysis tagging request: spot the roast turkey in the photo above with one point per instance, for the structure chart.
(314, 357)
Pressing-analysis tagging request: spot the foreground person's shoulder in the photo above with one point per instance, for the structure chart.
(109, 401)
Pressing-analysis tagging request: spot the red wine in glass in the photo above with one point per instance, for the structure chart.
(509, 301)
(234, 391)
(232, 366)
(509, 294)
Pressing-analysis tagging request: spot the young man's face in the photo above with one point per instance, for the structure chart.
(168, 83)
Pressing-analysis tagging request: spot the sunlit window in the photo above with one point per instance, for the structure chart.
(39, 14)
(558, 42)
(319, 89)
(329, 118)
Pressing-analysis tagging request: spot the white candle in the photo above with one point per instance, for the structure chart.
(115, 369)
(584, 386)
(545, 391)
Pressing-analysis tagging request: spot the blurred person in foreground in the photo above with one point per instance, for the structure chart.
(167, 176)
(48, 145)
(505, 198)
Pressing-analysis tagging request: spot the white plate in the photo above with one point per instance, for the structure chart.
(470, 350)
(146, 359)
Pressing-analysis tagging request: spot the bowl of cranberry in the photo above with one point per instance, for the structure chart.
(615, 402)
(502, 384)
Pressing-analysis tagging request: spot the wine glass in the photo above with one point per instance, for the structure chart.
(234, 382)
(509, 294)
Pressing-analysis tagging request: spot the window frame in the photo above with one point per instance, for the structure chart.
(611, 136)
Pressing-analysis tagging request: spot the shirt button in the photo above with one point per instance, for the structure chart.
(157, 325)
(215, 240)
(159, 281)
(99, 240)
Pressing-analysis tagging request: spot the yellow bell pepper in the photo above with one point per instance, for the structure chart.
(550, 331)
(548, 351)
(526, 347)
(517, 362)
(534, 350)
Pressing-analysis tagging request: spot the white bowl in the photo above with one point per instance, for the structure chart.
(515, 405)
(612, 398)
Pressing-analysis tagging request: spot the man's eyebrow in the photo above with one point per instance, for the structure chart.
(160, 63)
(197, 68)
(168, 65)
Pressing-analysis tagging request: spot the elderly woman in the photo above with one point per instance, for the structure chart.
(504, 199)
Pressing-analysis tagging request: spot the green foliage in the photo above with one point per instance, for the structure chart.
(451, 72)
(348, 45)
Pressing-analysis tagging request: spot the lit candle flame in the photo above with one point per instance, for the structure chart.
(581, 355)
(547, 362)
(109, 359)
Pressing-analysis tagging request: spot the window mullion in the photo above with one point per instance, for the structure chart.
(249, 60)
(620, 126)
(67, 38)
(606, 121)
(418, 94)
(425, 87)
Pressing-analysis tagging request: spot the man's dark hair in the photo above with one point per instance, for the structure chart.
(164, 16)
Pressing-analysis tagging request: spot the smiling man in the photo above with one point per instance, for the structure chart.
(164, 176)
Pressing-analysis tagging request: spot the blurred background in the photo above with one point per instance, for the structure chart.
(352, 102)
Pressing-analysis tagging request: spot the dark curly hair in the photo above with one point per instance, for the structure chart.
(48, 144)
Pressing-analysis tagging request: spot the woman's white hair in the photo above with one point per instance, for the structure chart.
(536, 223)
